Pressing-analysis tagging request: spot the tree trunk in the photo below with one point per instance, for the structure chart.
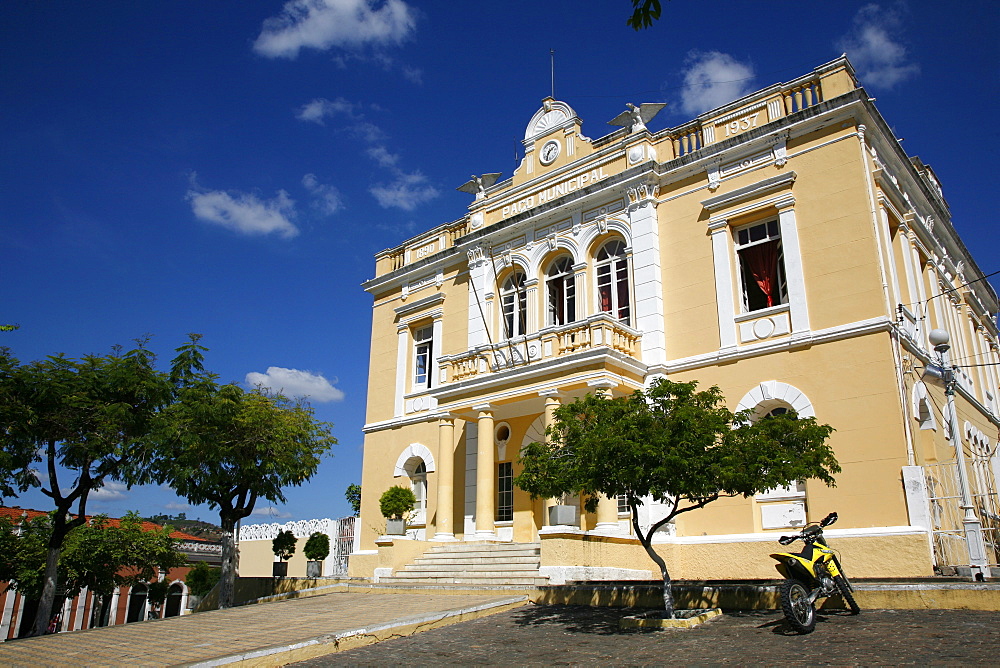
(227, 574)
(668, 594)
(48, 592)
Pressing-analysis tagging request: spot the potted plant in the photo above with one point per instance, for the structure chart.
(317, 549)
(283, 546)
(396, 504)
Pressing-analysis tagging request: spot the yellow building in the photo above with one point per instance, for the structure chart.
(783, 247)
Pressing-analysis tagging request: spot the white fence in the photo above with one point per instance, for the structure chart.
(341, 533)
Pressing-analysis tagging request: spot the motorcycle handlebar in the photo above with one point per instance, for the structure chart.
(787, 540)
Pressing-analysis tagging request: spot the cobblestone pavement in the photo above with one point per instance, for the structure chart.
(211, 636)
(569, 635)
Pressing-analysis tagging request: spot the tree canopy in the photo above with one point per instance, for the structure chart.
(89, 416)
(644, 14)
(673, 444)
(229, 447)
(100, 555)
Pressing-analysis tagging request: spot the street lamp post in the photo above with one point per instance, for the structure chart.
(973, 528)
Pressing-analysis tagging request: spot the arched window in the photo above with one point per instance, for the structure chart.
(514, 301)
(560, 288)
(418, 480)
(612, 281)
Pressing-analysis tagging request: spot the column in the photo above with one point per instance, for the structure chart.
(607, 508)
(797, 305)
(583, 307)
(485, 474)
(531, 305)
(443, 527)
(552, 402)
(722, 259)
(402, 346)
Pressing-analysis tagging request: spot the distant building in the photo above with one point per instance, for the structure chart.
(783, 246)
(85, 610)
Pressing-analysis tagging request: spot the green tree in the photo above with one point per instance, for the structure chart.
(201, 579)
(674, 444)
(100, 555)
(644, 13)
(317, 547)
(283, 545)
(88, 416)
(222, 445)
(353, 496)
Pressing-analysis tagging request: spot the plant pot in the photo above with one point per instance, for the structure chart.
(279, 569)
(562, 516)
(314, 569)
(395, 527)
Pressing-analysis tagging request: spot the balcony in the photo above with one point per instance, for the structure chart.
(592, 333)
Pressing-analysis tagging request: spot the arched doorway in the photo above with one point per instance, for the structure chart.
(175, 596)
(137, 604)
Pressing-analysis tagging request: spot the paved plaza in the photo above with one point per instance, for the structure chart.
(565, 635)
(483, 628)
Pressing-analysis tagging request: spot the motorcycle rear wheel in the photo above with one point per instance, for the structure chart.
(799, 610)
(845, 593)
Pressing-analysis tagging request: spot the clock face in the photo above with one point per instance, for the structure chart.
(549, 152)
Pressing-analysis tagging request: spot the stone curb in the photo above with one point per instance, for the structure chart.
(329, 644)
(641, 622)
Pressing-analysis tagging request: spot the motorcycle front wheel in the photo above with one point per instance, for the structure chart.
(846, 594)
(799, 610)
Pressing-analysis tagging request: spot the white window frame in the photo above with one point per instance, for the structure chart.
(560, 290)
(611, 272)
(514, 305)
(423, 353)
(771, 232)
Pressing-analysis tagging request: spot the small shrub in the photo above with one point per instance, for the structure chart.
(397, 502)
(317, 548)
(283, 545)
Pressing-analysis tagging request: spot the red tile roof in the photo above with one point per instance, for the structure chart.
(16, 514)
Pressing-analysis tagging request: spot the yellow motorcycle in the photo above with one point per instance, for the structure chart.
(813, 573)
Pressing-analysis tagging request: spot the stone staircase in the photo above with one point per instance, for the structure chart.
(473, 564)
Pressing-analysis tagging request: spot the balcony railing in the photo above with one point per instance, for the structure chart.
(597, 331)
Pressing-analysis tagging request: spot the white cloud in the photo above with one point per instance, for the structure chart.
(381, 155)
(317, 110)
(177, 506)
(406, 191)
(326, 197)
(112, 491)
(245, 212)
(880, 60)
(713, 79)
(270, 512)
(322, 24)
(296, 383)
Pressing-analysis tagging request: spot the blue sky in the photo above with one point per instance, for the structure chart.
(231, 167)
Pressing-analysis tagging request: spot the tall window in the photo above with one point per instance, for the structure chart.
(423, 344)
(560, 287)
(513, 298)
(612, 280)
(762, 266)
(505, 492)
(418, 479)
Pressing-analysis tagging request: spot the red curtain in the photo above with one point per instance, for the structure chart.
(762, 261)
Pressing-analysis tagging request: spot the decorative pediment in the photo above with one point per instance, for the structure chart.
(552, 115)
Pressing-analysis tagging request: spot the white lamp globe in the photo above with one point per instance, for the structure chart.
(939, 337)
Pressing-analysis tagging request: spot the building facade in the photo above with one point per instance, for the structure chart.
(783, 247)
(126, 604)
